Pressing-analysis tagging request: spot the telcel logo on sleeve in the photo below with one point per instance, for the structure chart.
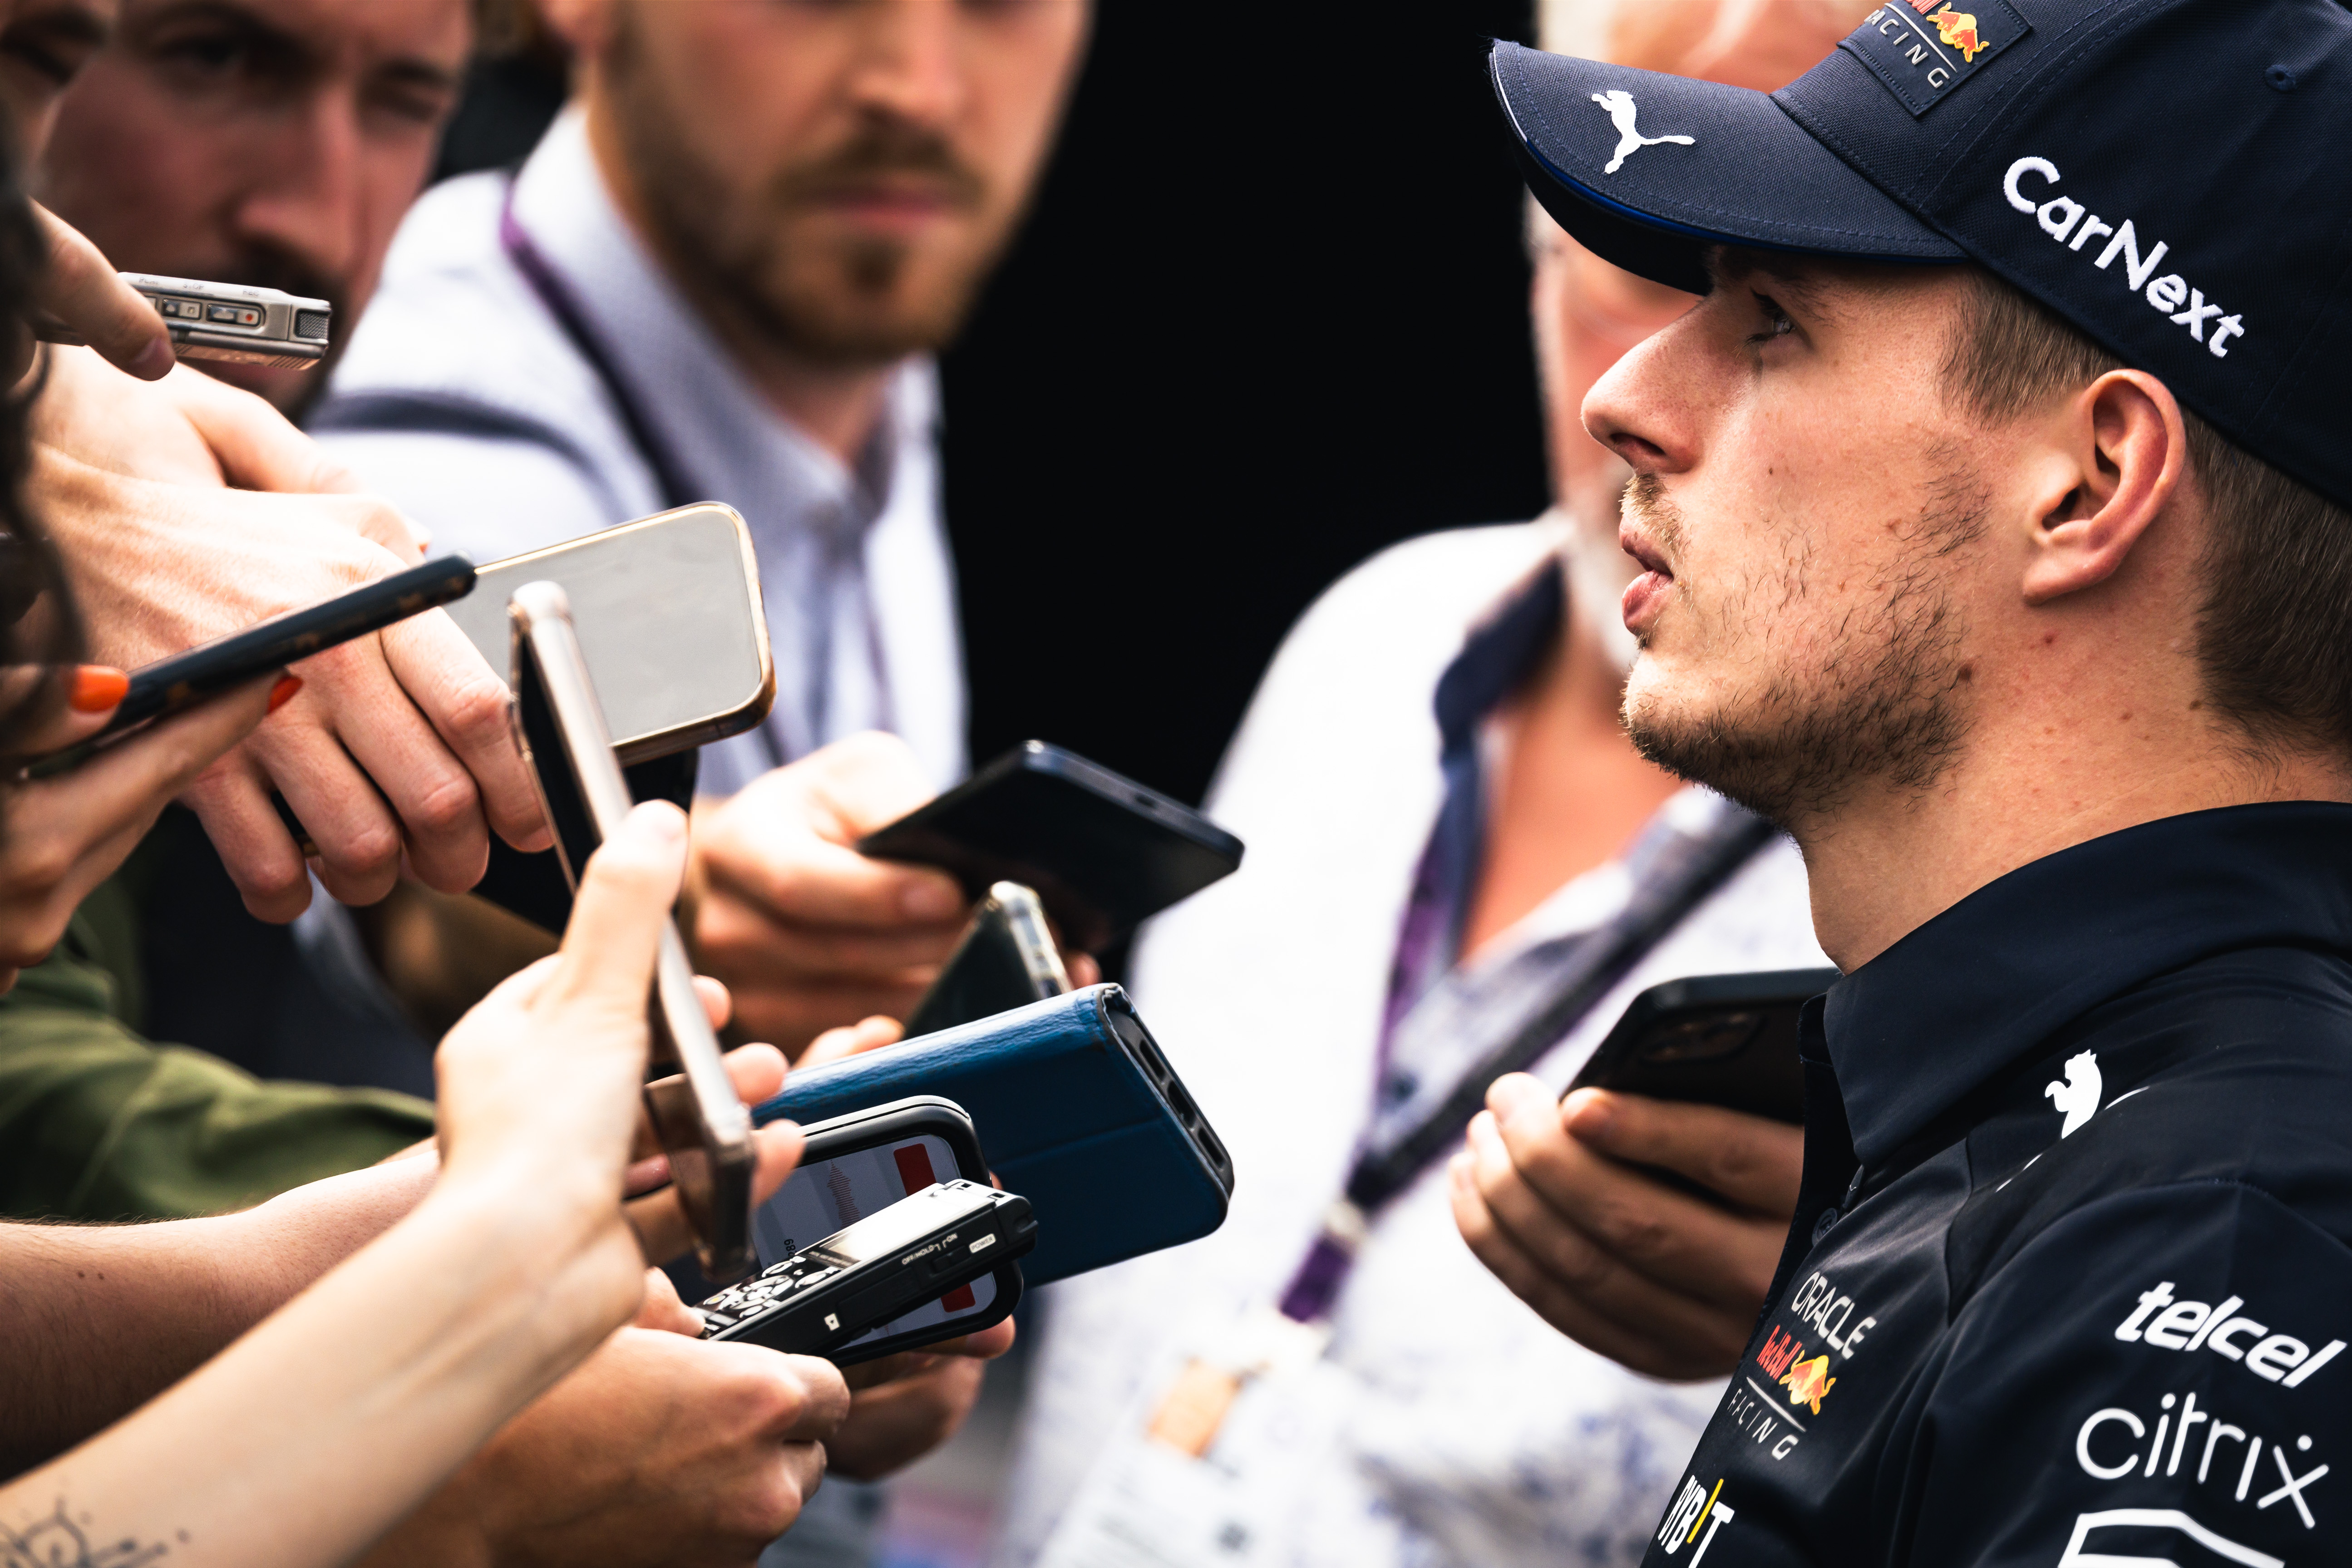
(1921, 49)
(2177, 1325)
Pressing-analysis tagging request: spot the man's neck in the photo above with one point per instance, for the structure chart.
(1887, 862)
(1569, 790)
(837, 407)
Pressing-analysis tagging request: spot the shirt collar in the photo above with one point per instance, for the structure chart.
(1978, 988)
(721, 428)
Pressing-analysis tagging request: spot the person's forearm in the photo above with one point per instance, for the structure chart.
(307, 1440)
(107, 1317)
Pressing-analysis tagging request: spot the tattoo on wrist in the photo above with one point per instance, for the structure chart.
(59, 1542)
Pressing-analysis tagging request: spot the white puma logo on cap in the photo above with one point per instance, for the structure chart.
(1620, 105)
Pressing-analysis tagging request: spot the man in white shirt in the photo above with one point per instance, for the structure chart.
(1342, 1383)
(719, 276)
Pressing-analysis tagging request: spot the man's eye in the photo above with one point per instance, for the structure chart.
(212, 53)
(1777, 324)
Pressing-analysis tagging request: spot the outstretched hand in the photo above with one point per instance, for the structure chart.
(541, 1083)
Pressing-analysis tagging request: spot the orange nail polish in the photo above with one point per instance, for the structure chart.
(283, 692)
(97, 687)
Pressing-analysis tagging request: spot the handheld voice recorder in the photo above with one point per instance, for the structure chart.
(817, 1300)
(240, 323)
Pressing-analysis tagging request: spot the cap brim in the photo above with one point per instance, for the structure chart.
(1716, 165)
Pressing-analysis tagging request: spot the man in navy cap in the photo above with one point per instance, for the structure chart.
(1995, 507)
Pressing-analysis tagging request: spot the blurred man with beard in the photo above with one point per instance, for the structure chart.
(719, 276)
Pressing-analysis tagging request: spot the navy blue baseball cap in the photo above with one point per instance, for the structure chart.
(2172, 176)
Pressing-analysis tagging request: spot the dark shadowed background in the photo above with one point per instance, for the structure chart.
(1269, 315)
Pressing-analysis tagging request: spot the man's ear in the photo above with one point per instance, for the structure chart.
(2119, 447)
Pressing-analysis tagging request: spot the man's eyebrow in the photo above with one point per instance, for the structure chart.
(254, 27)
(1793, 279)
(66, 23)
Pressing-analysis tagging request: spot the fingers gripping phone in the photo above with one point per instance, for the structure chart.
(169, 685)
(1713, 1039)
(1103, 852)
(855, 1165)
(1006, 960)
(701, 1124)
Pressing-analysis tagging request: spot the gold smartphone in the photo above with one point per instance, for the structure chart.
(701, 1122)
(669, 616)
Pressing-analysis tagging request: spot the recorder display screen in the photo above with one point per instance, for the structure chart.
(828, 1195)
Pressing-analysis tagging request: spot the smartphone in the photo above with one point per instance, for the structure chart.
(700, 1123)
(858, 1164)
(240, 323)
(1713, 1039)
(1006, 960)
(1103, 852)
(821, 1300)
(169, 685)
(1078, 1110)
(669, 615)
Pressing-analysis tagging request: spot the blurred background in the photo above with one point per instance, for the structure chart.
(1269, 315)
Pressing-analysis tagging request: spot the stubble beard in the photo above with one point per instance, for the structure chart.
(1881, 706)
(854, 308)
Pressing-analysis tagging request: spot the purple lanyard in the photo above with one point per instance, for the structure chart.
(1683, 876)
(564, 306)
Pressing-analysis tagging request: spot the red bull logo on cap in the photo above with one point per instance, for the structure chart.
(1958, 28)
(1921, 49)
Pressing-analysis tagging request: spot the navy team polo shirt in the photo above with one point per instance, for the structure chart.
(2069, 1284)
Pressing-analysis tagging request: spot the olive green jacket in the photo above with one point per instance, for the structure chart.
(97, 1123)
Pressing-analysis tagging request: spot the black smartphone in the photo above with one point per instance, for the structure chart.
(169, 685)
(703, 1126)
(1006, 960)
(817, 1301)
(861, 1163)
(1103, 852)
(1713, 1039)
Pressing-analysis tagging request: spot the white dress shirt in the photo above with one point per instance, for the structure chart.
(1473, 1432)
(463, 400)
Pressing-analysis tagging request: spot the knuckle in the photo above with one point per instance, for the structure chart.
(1633, 1231)
(447, 804)
(473, 714)
(361, 850)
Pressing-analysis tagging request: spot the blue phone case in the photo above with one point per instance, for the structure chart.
(1077, 1111)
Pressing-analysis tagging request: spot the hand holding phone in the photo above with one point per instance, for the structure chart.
(184, 679)
(1643, 1226)
(806, 932)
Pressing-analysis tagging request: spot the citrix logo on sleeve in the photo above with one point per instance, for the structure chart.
(2179, 1325)
(2071, 223)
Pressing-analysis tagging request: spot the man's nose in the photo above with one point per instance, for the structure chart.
(1639, 410)
(909, 64)
(305, 195)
